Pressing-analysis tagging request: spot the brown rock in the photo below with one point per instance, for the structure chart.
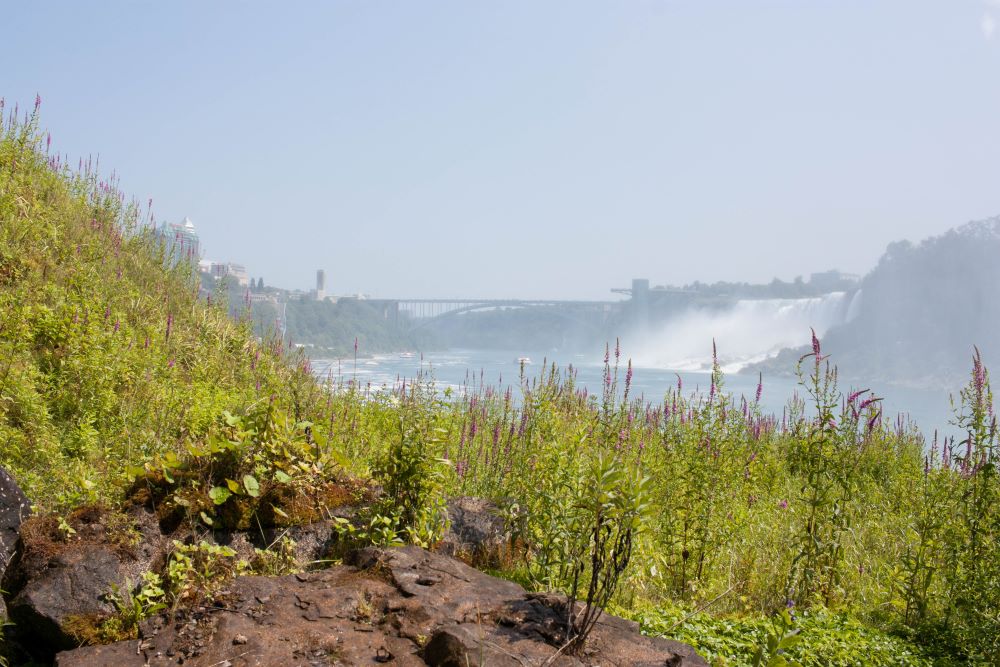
(58, 581)
(477, 531)
(402, 607)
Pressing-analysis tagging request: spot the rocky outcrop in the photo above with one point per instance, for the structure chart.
(477, 532)
(403, 606)
(61, 575)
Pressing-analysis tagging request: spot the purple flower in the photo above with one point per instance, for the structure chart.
(854, 395)
(170, 364)
(760, 387)
(783, 504)
(875, 417)
(815, 346)
(38, 102)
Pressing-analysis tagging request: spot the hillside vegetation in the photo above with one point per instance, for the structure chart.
(831, 535)
(109, 358)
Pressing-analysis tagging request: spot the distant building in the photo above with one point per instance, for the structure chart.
(237, 272)
(320, 284)
(181, 239)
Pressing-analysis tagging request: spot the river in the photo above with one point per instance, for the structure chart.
(929, 409)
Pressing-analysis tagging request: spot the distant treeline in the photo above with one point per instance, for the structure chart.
(799, 288)
(326, 328)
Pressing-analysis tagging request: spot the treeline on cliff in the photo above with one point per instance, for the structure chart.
(922, 311)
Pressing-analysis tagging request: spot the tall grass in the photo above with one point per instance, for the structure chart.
(833, 506)
(109, 355)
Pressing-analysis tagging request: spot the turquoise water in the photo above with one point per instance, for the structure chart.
(929, 409)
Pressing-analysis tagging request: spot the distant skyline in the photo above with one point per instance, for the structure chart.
(528, 149)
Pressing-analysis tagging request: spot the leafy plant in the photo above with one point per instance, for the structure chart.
(612, 508)
(133, 605)
(782, 637)
(195, 571)
(412, 479)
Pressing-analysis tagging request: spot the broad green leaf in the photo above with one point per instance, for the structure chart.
(219, 494)
(251, 485)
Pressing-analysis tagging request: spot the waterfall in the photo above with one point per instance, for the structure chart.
(746, 332)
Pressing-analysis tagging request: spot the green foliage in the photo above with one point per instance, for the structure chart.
(333, 327)
(780, 640)
(261, 468)
(412, 480)
(611, 509)
(276, 560)
(195, 571)
(812, 639)
(132, 606)
(829, 507)
(109, 355)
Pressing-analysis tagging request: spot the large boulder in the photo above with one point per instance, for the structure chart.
(60, 579)
(402, 606)
(477, 532)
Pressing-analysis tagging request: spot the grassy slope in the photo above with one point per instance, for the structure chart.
(107, 358)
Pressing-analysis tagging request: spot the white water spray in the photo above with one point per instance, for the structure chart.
(749, 331)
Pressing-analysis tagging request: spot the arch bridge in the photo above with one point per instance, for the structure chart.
(422, 312)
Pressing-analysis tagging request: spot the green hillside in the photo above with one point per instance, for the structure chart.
(108, 357)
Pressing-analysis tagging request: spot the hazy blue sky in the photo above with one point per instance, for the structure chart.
(528, 148)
